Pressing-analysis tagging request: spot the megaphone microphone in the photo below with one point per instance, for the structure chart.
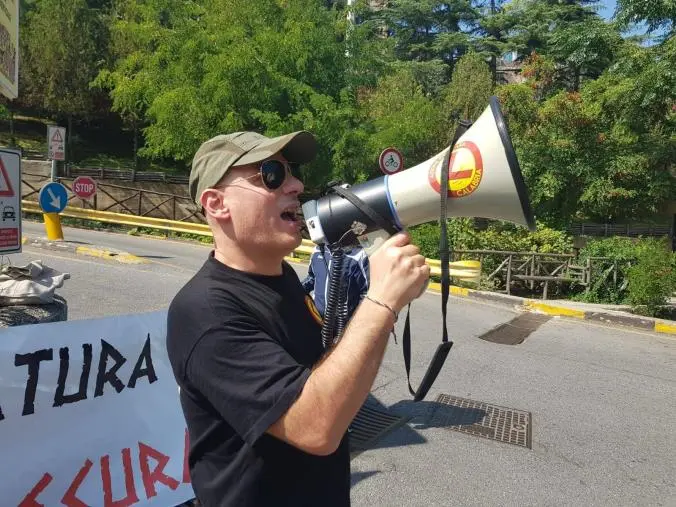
(482, 177)
(485, 180)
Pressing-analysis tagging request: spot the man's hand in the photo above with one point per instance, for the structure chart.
(338, 386)
(398, 272)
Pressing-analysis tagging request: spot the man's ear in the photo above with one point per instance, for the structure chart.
(214, 203)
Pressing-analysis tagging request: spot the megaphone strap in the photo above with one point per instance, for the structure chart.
(367, 210)
(444, 348)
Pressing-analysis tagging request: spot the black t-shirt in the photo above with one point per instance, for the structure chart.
(241, 347)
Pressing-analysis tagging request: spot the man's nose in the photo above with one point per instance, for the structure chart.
(293, 185)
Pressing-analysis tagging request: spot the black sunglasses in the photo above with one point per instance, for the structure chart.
(273, 173)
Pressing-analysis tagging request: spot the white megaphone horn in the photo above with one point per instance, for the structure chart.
(484, 181)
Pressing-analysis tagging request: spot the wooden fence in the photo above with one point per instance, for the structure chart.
(504, 270)
(124, 174)
(122, 199)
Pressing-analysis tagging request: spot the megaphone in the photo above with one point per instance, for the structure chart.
(484, 181)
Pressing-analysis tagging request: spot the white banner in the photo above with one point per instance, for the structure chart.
(90, 415)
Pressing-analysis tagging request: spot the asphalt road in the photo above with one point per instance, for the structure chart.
(602, 399)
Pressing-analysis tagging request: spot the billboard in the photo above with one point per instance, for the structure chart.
(9, 48)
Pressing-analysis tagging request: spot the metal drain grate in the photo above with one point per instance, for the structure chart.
(370, 425)
(516, 330)
(483, 419)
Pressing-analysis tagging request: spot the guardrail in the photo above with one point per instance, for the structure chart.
(305, 249)
(124, 219)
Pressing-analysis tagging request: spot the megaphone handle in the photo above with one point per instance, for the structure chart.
(372, 241)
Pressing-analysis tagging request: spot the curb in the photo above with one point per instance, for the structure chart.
(101, 253)
(536, 306)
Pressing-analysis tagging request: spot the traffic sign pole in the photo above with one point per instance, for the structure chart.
(53, 198)
(56, 147)
(53, 226)
(54, 192)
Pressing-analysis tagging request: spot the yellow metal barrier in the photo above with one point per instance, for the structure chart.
(466, 270)
(124, 219)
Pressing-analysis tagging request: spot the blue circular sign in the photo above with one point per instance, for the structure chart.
(53, 197)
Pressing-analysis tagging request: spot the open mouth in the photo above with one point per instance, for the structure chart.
(291, 214)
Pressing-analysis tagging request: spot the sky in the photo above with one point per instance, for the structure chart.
(606, 8)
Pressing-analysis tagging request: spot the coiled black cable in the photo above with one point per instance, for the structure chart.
(333, 298)
(341, 312)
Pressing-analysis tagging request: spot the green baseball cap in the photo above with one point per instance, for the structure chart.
(217, 155)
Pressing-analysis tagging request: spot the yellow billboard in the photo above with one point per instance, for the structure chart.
(9, 48)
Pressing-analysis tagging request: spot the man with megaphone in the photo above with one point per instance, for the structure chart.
(266, 404)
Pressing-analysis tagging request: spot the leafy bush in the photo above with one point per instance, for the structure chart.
(651, 280)
(463, 235)
(619, 253)
(426, 237)
(646, 273)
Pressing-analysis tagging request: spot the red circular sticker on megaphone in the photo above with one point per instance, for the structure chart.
(465, 173)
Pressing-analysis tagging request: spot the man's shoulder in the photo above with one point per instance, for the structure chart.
(203, 306)
(204, 295)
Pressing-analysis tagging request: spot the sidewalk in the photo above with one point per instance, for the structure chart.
(80, 249)
(617, 315)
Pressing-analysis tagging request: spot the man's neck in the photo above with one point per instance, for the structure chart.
(240, 261)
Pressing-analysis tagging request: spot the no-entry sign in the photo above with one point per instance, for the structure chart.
(84, 187)
(391, 161)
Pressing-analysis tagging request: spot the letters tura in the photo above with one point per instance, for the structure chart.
(105, 374)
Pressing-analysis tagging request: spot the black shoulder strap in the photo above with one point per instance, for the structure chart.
(445, 346)
(377, 218)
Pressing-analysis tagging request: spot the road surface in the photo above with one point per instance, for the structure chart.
(601, 399)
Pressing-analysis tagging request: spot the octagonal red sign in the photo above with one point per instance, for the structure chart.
(84, 187)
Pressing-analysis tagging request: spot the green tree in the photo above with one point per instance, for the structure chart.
(537, 21)
(658, 14)
(430, 29)
(151, 44)
(584, 50)
(63, 44)
(470, 89)
(402, 116)
(493, 33)
(604, 153)
(570, 33)
(192, 70)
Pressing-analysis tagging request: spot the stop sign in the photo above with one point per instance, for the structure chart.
(84, 187)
